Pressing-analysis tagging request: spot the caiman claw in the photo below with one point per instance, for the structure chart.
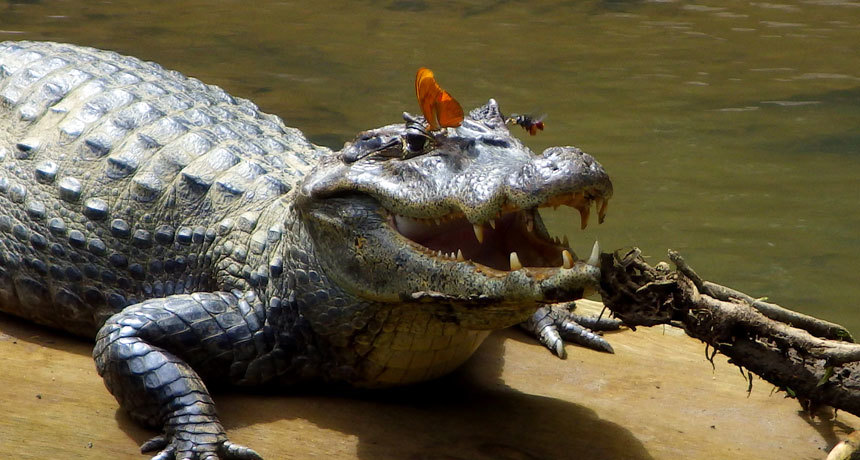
(553, 324)
(220, 450)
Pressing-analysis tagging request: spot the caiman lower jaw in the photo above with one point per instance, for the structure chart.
(515, 240)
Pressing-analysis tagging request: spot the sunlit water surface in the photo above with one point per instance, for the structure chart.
(730, 128)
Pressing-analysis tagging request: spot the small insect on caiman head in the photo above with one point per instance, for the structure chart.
(449, 218)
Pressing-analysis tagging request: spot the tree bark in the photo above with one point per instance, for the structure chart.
(813, 360)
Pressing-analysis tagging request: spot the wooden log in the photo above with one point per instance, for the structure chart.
(783, 347)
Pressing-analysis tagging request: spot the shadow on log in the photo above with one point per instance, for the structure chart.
(813, 360)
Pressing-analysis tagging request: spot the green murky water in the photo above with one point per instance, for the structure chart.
(730, 128)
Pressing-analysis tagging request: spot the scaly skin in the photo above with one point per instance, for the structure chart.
(198, 239)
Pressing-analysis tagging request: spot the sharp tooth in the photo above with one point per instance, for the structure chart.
(437, 221)
(584, 212)
(460, 257)
(493, 223)
(479, 232)
(567, 259)
(530, 223)
(564, 242)
(594, 260)
(515, 262)
(601, 212)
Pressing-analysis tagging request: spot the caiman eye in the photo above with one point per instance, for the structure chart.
(416, 142)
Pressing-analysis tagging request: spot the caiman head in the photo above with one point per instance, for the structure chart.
(450, 220)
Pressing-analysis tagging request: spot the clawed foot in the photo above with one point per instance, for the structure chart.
(198, 448)
(553, 324)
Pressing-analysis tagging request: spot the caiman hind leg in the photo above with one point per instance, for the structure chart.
(153, 354)
(555, 323)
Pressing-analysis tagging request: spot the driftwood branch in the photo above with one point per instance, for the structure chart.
(811, 359)
(814, 326)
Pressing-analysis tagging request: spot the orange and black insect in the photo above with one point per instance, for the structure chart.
(528, 122)
(440, 109)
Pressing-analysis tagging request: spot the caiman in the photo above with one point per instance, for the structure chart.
(197, 239)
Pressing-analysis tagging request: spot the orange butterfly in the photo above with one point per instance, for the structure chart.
(439, 108)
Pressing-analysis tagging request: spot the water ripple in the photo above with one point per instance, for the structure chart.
(791, 103)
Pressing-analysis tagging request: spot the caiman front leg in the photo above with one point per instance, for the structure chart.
(148, 353)
(555, 323)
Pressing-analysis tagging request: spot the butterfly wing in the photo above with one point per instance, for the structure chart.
(449, 113)
(427, 91)
(440, 109)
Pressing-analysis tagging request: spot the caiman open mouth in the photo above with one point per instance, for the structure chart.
(516, 238)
